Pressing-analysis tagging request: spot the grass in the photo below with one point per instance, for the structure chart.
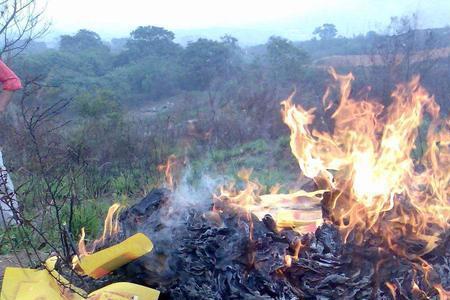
(270, 161)
(16, 238)
(96, 189)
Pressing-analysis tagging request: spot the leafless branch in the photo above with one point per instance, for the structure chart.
(21, 22)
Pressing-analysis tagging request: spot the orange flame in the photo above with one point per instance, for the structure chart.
(289, 258)
(168, 170)
(367, 166)
(110, 228)
(373, 183)
(443, 294)
(392, 289)
(299, 209)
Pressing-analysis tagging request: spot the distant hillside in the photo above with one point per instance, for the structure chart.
(424, 39)
(366, 60)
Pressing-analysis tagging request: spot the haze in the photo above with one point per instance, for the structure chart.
(251, 21)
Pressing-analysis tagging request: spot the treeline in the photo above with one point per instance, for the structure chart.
(208, 88)
(152, 65)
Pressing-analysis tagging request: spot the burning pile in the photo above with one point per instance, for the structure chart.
(373, 185)
(376, 225)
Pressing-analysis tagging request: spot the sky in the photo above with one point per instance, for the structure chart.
(251, 21)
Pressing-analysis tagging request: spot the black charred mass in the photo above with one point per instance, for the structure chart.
(228, 255)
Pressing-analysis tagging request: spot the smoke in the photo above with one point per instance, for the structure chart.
(166, 210)
(164, 217)
(189, 195)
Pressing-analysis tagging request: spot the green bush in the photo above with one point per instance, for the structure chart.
(89, 214)
(124, 184)
(15, 238)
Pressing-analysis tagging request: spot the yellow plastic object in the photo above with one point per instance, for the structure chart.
(50, 265)
(124, 291)
(29, 284)
(105, 261)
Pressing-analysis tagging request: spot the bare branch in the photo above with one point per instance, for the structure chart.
(21, 22)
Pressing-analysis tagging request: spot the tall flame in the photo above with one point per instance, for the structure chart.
(110, 228)
(169, 169)
(367, 179)
(366, 164)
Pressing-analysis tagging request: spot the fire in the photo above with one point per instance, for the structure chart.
(367, 166)
(443, 294)
(368, 180)
(289, 258)
(392, 289)
(298, 209)
(169, 170)
(110, 228)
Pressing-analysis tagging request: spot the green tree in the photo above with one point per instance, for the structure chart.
(285, 59)
(326, 31)
(82, 59)
(204, 60)
(150, 78)
(97, 105)
(235, 55)
(151, 40)
(83, 40)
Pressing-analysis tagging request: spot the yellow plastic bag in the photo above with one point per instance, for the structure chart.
(105, 261)
(30, 284)
(124, 291)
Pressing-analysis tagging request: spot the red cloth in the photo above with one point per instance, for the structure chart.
(9, 80)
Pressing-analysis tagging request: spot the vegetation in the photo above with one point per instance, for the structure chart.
(94, 121)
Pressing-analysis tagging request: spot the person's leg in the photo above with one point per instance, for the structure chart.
(7, 196)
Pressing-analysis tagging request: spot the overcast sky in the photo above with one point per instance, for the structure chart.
(253, 20)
